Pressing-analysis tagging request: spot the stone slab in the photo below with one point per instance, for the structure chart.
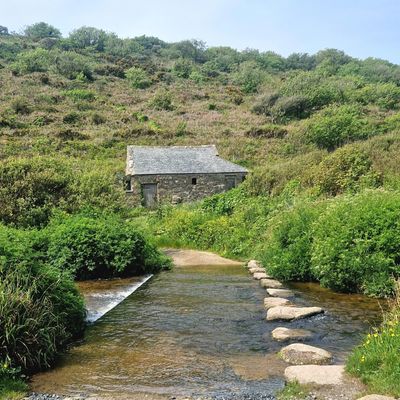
(282, 334)
(287, 313)
(270, 302)
(303, 354)
(280, 292)
(270, 283)
(316, 374)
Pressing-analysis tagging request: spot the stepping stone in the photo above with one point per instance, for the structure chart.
(253, 264)
(259, 275)
(280, 292)
(282, 334)
(289, 313)
(270, 302)
(376, 397)
(303, 354)
(270, 283)
(256, 269)
(316, 374)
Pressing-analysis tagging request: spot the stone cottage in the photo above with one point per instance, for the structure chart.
(178, 174)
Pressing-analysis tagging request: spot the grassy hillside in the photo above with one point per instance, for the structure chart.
(320, 134)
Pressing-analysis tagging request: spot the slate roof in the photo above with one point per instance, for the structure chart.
(148, 160)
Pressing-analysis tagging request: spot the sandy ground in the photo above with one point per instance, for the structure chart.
(185, 258)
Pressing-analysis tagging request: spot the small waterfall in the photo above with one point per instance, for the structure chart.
(103, 296)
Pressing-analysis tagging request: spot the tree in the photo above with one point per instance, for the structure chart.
(41, 30)
(87, 36)
(3, 31)
(300, 61)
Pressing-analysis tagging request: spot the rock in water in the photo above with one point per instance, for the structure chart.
(315, 374)
(289, 313)
(270, 302)
(259, 275)
(253, 264)
(303, 354)
(282, 334)
(256, 269)
(270, 283)
(280, 292)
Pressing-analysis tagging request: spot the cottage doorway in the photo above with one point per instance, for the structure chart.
(149, 191)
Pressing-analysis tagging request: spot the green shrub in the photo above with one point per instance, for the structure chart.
(38, 60)
(100, 246)
(267, 131)
(138, 78)
(347, 169)
(71, 118)
(162, 100)
(80, 94)
(182, 68)
(71, 64)
(40, 307)
(249, 77)
(286, 249)
(30, 188)
(21, 106)
(377, 360)
(356, 244)
(336, 125)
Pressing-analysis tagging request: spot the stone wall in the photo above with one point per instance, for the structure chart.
(179, 188)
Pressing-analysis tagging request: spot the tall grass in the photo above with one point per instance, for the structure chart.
(377, 360)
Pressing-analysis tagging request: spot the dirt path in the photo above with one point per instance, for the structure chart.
(185, 258)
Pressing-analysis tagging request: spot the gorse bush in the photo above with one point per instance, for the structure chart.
(347, 169)
(100, 246)
(337, 125)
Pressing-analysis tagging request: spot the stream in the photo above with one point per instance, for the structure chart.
(195, 332)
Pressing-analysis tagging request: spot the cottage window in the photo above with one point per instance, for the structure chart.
(194, 181)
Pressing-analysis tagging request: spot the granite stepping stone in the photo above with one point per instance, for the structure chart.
(316, 374)
(290, 313)
(303, 354)
(260, 275)
(270, 283)
(270, 302)
(280, 292)
(282, 334)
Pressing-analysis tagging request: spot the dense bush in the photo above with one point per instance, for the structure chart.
(347, 169)
(286, 249)
(356, 244)
(100, 246)
(162, 100)
(138, 78)
(38, 60)
(249, 77)
(30, 188)
(336, 125)
(71, 65)
(40, 307)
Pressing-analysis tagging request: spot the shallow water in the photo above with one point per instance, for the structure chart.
(199, 331)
